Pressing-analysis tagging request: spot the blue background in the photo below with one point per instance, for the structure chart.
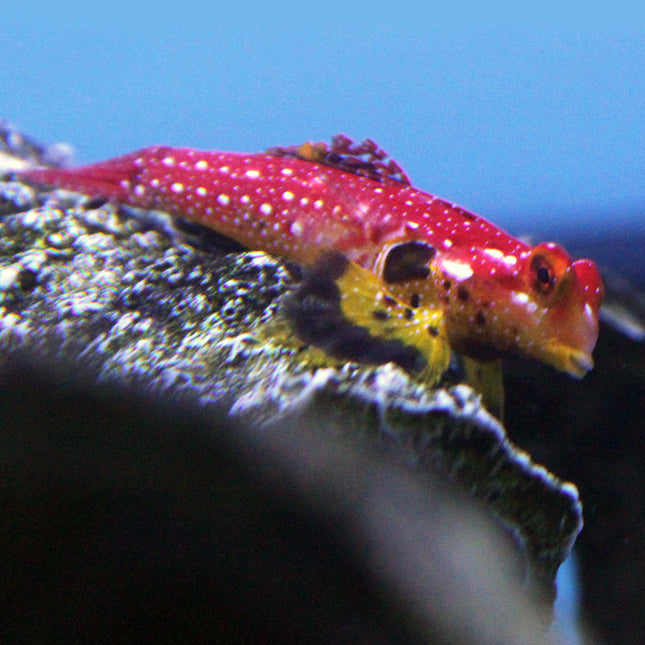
(534, 128)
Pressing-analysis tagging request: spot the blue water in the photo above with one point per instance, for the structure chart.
(567, 607)
(529, 127)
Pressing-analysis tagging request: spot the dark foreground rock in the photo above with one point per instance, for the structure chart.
(128, 518)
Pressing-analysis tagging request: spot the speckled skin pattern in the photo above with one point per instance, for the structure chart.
(499, 295)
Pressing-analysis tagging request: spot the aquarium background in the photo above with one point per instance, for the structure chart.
(540, 129)
(535, 128)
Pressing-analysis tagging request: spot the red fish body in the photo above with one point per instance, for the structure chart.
(498, 296)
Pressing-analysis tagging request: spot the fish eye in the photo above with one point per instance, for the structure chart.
(543, 275)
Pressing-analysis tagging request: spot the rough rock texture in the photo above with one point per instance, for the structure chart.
(139, 301)
(138, 304)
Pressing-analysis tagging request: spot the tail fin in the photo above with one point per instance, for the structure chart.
(113, 179)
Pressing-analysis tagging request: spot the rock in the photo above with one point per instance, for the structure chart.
(141, 301)
(129, 515)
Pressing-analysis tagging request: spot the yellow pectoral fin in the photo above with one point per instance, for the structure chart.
(368, 304)
(344, 309)
(486, 378)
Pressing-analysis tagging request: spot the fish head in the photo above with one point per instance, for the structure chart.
(535, 303)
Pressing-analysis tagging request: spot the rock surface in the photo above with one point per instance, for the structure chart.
(141, 301)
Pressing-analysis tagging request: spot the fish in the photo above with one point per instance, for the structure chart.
(423, 274)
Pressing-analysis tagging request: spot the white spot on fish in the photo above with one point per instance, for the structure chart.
(266, 209)
(509, 260)
(169, 162)
(287, 172)
(519, 297)
(154, 183)
(457, 270)
(202, 165)
(318, 204)
(177, 187)
(245, 199)
(252, 174)
(287, 195)
(224, 200)
(296, 229)
(139, 190)
(202, 192)
(447, 244)
(494, 253)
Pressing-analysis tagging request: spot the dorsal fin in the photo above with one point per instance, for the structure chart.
(365, 159)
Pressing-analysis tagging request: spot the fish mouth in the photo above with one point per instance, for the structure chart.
(579, 364)
(574, 362)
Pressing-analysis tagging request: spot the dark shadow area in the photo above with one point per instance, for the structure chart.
(125, 518)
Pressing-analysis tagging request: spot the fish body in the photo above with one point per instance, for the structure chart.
(498, 296)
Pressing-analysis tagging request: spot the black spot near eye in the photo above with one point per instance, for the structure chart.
(462, 294)
(408, 261)
(447, 284)
(379, 314)
(433, 331)
(480, 318)
(415, 300)
(388, 300)
(409, 314)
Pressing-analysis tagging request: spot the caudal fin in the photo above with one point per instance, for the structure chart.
(112, 179)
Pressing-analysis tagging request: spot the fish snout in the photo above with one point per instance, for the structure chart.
(583, 291)
(589, 283)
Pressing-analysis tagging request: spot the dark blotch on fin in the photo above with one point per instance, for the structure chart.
(408, 261)
(314, 311)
